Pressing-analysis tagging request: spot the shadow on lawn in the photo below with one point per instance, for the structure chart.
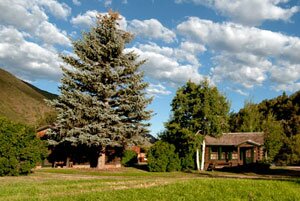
(264, 170)
(141, 167)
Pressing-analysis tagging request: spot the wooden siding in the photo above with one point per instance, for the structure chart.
(249, 153)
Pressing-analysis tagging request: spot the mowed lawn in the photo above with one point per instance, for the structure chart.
(132, 184)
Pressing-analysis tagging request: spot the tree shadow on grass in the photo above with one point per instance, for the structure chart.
(261, 169)
(143, 167)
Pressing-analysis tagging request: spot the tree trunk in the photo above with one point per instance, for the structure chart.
(68, 164)
(203, 155)
(197, 159)
(101, 160)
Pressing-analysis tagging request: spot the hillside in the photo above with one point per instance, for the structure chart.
(20, 101)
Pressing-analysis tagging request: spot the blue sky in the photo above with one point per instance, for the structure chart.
(249, 49)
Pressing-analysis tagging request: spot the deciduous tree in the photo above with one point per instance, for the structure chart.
(196, 108)
(273, 137)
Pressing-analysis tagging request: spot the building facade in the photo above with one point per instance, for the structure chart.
(233, 149)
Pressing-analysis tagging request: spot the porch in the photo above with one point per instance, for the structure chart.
(233, 150)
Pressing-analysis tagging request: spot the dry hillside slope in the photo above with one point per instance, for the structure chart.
(20, 101)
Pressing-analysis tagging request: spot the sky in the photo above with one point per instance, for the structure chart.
(249, 49)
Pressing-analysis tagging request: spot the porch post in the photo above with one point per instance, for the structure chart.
(238, 150)
(256, 154)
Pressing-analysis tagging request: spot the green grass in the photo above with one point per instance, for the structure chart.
(133, 184)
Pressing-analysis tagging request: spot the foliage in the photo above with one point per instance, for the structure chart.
(285, 109)
(248, 119)
(48, 118)
(195, 108)
(102, 101)
(295, 146)
(129, 158)
(20, 150)
(162, 157)
(289, 152)
(273, 137)
(285, 112)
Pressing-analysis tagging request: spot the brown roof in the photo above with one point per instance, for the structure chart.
(256, 138)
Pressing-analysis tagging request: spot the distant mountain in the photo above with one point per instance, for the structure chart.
(21, 101)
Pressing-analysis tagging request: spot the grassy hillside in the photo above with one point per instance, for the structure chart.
(20, 101)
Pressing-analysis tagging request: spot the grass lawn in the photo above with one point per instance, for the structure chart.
(132, 184)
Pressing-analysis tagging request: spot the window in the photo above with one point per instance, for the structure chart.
(214, 155)
(234, 156)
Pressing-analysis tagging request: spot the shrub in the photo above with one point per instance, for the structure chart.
(129, 158)
(162, 157)
(20, 150)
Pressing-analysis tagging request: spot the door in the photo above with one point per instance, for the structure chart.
(246, 155)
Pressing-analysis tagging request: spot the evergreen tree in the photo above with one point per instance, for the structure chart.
(195, 108)
(102, 101)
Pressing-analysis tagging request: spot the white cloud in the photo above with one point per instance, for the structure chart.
(237, 38)
(31, 18)
(28, 39)
(26, 59)
(22, 14)
(89, 18)
(163, 65)
(157, 89)
(59, 10)
(152, 29)
(76, 2)
(245, 55)
(250, 12)
(192, 47)
(51, 34)
(285, 72)
(85, 20)
(288, 87)
(107, 3)
(239, 91)
(248, 70)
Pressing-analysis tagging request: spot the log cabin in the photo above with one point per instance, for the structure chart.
(233, 149)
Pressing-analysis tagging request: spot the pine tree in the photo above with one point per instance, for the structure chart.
(102, 101)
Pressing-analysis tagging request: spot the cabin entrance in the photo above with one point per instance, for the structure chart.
(247, 155)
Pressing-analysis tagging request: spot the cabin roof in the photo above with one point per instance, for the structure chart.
(235, 139)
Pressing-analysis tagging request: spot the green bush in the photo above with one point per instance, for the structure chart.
(20, 150)
(129, 158)
(162, 157)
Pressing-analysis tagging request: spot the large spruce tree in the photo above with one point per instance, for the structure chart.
(196, 108)
(102, 101)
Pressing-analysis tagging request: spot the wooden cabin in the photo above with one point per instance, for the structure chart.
(233, 149)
